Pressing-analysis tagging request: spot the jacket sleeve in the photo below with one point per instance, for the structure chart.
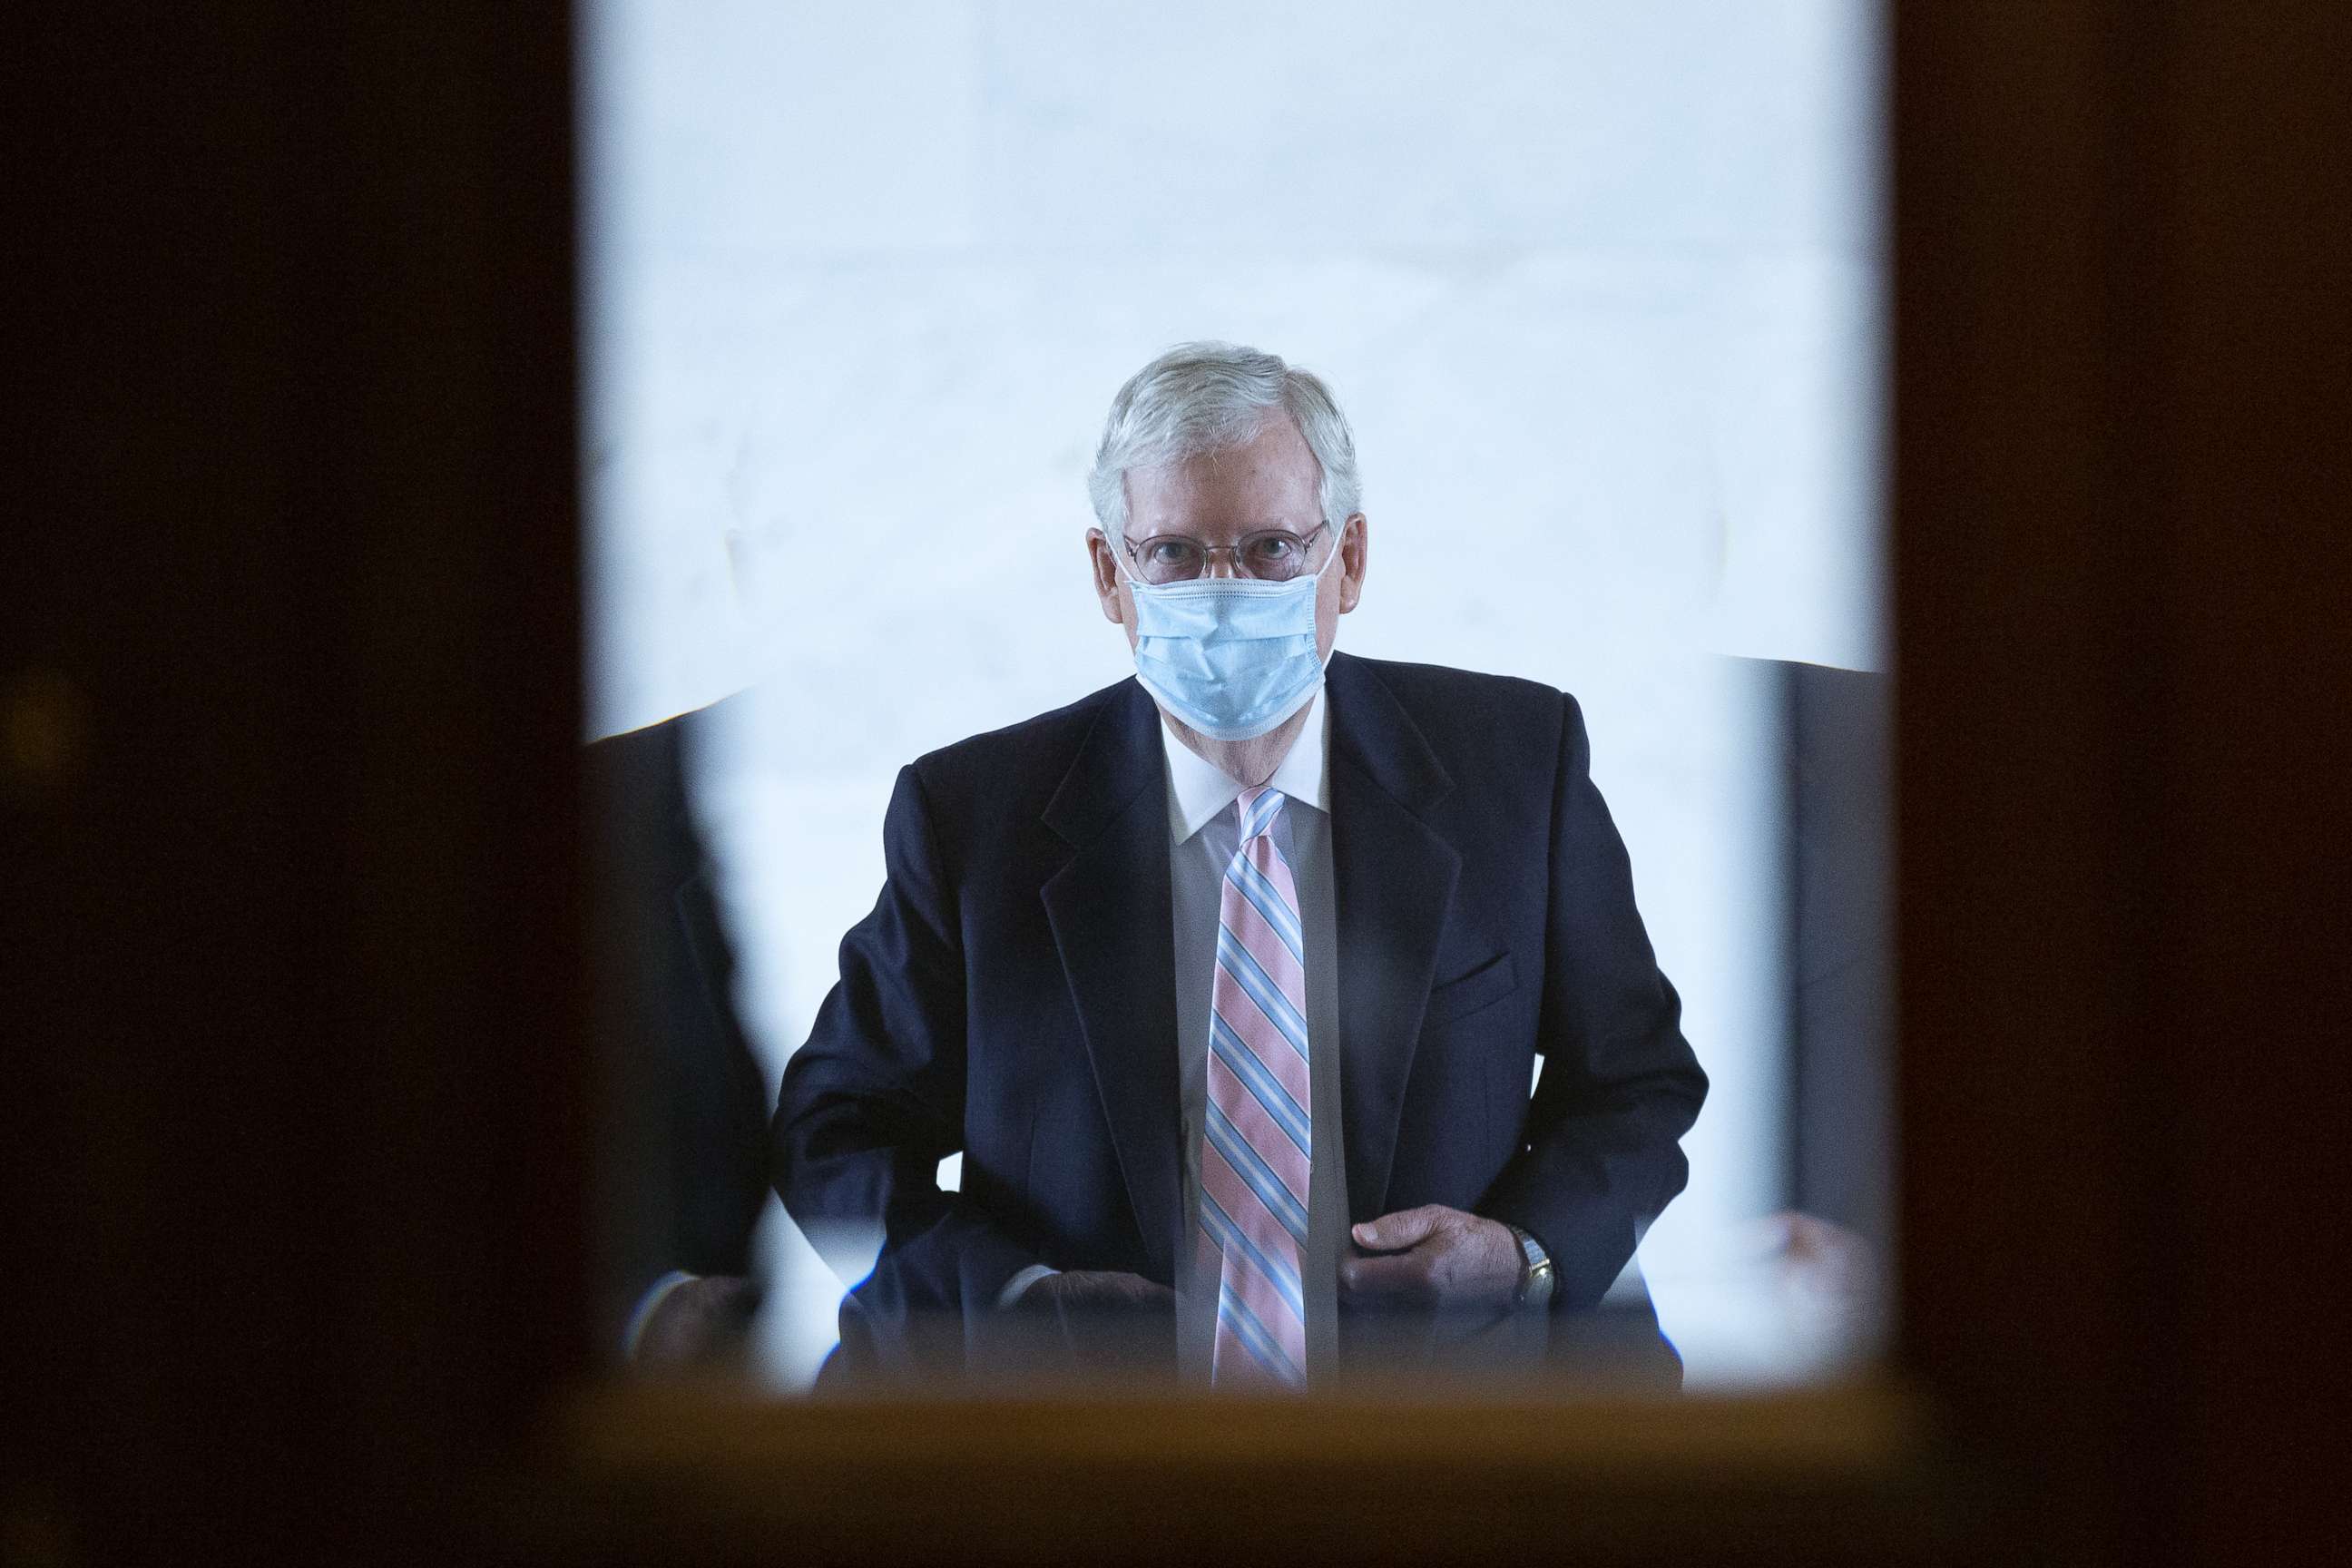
(1600, 1155)
(875, 1099)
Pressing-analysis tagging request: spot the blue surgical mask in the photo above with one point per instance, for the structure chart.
(1230, 656)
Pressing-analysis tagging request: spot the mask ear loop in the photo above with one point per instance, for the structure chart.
(1118, 548)
(1339, 532)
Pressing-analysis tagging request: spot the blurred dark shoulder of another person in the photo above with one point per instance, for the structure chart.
(683, 1150)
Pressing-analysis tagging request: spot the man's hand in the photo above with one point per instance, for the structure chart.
(699, 1323)
(1087, 1290)
(1435, 1256)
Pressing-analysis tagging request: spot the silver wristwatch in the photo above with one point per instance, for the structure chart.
(1535, 1271)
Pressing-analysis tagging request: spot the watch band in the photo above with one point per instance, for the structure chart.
(1536, 1273)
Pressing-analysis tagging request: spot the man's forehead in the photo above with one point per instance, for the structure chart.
(1269, 482)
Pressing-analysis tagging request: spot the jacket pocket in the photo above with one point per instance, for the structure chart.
(1465, 995)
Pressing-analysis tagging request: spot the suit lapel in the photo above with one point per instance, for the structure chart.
(1114, 931)
(1394, 883)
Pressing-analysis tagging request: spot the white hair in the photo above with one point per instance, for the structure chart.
(1204, 398)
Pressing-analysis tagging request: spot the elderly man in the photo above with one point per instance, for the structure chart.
(1229, 981)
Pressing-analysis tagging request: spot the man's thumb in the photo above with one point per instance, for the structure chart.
(1391, 1231)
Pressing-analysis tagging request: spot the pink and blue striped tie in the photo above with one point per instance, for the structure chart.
(1255, 1150)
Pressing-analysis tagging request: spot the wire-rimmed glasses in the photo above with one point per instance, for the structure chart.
(1269, 555)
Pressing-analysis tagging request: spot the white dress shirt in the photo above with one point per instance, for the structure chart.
(1204, 834)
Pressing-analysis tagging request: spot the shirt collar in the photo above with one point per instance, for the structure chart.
(1198, 792)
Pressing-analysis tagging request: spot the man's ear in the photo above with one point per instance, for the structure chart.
(1106, 576)
(1355, 553)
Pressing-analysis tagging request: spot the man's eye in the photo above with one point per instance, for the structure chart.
(1275, 547)
(1167, 553)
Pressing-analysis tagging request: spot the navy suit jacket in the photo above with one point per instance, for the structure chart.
(1012, 996)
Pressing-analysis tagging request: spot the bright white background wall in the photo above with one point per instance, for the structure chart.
(1598, 285)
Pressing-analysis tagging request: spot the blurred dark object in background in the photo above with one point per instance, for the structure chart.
(1839, 799)
(683, 1170)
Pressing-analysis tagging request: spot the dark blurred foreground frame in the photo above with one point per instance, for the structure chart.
(294, 1131)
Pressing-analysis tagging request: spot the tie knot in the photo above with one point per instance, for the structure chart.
(1259, 806)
